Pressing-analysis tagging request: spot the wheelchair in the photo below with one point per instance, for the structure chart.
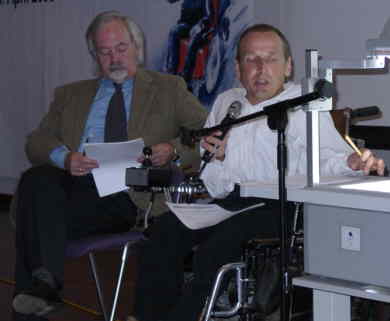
(250, 290)
(253, 285)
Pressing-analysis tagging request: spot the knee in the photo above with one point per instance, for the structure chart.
(166, 238)
(39, 175)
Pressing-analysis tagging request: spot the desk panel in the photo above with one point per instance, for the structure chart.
(325, 256)
(328, 208)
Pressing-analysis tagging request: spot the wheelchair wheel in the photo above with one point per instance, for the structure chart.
(262, 289)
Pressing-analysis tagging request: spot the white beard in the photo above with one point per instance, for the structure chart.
(118, 76)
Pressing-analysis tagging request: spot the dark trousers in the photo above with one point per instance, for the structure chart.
(159, 290)
(53, 207)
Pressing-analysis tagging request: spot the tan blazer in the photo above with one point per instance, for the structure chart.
(160, 105)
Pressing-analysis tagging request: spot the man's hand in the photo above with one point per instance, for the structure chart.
(215, 145)
(78, 165)
(162, 154)
(367, 162)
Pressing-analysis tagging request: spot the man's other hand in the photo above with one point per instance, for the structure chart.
(367, 162)
(162, 154)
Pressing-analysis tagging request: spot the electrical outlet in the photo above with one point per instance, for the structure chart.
(350, 238)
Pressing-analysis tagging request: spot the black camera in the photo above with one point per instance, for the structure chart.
(142, 179)
(149, 178)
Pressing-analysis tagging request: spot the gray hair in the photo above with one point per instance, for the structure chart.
(135, 32)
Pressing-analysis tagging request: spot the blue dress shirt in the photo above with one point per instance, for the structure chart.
(94, 127)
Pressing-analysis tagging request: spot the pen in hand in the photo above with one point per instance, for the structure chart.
(352, 144)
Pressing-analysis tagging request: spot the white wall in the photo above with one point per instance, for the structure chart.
(339, 30)
(268, 12)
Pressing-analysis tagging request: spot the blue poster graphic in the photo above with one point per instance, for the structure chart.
(201, 45)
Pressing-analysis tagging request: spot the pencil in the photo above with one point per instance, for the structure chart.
(350, 142)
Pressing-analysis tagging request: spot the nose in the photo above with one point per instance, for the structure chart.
(259, 64)
(114, 56)
(114, 59)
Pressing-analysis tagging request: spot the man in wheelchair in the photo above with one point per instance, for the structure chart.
(248, 152)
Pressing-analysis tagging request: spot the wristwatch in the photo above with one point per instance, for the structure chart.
(176, 156)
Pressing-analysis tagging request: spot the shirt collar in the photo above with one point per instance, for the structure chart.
(289, 90)
(108, 83)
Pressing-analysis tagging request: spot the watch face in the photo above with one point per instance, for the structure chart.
(176, 157)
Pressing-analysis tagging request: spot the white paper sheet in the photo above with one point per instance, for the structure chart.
(113, 159)
(196, 216)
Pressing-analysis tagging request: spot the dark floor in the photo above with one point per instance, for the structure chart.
(79, 286)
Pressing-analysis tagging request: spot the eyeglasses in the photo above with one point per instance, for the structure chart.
(119, 49)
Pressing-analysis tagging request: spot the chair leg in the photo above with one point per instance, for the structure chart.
(98, 285)
(120, 277)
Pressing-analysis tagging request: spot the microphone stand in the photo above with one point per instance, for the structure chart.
(277, 120)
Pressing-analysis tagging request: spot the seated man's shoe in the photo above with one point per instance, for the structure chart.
(40, 300)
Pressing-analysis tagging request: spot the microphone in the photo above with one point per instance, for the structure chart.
(147, 151)
(233, 112)
(364, 112)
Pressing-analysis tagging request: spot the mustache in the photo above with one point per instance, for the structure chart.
(116, 67)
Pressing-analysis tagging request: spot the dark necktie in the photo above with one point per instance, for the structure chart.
(116, 123)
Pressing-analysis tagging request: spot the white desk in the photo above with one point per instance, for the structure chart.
(334, 273)
(329, 192)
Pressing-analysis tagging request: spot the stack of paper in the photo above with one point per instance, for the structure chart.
(113, 159)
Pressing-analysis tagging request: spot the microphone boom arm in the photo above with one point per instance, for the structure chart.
(189, 137)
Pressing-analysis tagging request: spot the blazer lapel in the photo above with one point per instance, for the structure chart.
(83, 108)
(143, 93)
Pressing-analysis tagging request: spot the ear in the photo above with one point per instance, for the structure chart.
(288, 69)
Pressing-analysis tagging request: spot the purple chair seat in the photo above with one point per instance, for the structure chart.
(78, 248)
(89, 245)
